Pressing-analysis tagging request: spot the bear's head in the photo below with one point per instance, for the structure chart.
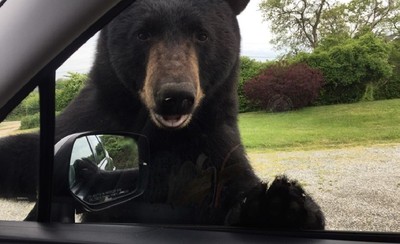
(174, 53)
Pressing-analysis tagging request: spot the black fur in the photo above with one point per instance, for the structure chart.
(111, 101)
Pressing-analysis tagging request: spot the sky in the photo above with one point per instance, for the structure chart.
(255, 42)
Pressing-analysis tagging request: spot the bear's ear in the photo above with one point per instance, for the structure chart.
(238, 5)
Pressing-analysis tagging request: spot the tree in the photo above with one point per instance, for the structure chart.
(302, 24)
(381, 17)
(295, 23)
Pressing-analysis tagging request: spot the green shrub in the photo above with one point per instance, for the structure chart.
(29, 106)
(389, 89)
(394, 57)
(67, 89)
(249, 68)
(30, 121)
(369, 93)
(331, 94)
(122, 150)
(349, 67)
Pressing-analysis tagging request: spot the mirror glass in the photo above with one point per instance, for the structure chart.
(103, 168)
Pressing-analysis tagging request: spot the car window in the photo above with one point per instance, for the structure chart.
(82, 149)
(341, 145)
(98, 148)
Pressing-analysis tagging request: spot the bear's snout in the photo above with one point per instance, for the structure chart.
(172, 90)
(175, 99)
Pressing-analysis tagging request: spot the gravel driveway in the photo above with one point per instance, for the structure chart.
(358, 188)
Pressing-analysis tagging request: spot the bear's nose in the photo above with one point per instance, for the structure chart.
(175, 99)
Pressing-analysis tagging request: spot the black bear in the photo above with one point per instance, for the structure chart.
(169, 70)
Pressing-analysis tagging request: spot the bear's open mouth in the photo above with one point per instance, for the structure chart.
(172, 121)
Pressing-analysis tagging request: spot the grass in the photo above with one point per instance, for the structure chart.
(363, 123)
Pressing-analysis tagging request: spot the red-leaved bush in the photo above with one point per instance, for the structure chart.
(284, 87)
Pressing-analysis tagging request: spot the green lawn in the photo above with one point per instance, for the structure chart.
(363, 123)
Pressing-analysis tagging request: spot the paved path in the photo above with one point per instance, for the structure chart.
(358, 188)
(9, 127)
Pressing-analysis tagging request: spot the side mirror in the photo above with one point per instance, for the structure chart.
(101, 170)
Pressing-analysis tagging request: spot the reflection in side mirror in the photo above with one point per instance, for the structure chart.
(106, 169)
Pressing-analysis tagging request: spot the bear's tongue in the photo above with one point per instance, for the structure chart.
(173, 121)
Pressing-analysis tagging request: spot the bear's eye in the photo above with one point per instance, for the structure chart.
(143, 35)
(201, 36)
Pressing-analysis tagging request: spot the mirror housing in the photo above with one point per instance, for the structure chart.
(98, 180)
